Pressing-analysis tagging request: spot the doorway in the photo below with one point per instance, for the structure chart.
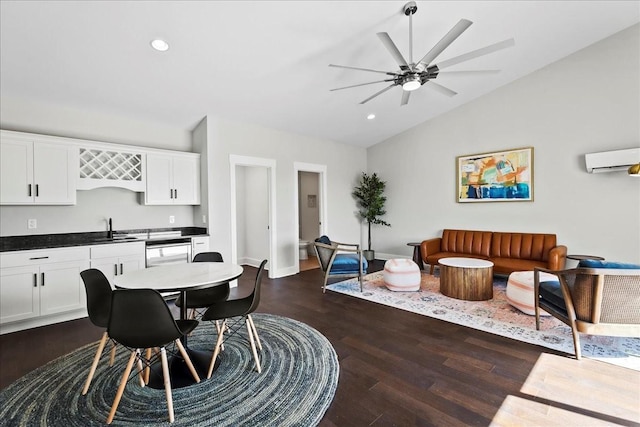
(310, 184)
(253, 211)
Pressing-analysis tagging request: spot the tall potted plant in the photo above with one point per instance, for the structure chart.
(369, 195)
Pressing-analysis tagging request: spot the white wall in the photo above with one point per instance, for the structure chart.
(587, 102)
(344, 164)
(93, 206)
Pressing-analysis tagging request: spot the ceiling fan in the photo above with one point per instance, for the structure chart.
(413, 75)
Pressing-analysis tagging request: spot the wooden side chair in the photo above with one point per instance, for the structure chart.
(594, 301)
(339, 260)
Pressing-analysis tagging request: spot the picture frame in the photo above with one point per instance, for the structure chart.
(499, 176)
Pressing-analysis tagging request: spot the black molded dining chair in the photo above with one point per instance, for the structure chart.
(203, 298)
(141, 319)
(242, 308)
(98, 290)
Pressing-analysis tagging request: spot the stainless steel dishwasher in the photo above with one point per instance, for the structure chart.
(165, 252)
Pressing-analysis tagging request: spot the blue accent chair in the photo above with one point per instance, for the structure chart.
(339, 260)
(596, 298)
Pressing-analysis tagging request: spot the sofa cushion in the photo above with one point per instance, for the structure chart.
(594, 263)
(531, 246)
(467, 242)
(508, 265)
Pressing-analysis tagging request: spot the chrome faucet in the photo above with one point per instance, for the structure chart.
(110, 231)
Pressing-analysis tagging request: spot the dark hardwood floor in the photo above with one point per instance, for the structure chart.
(403, 369)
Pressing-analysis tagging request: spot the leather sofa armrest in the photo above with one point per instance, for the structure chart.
(557, 257)
(429, 247)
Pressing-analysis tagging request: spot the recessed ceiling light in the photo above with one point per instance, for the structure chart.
(160, 45)
(371, 116)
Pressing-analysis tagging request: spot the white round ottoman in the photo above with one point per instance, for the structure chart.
(520, 291)
(401, 275)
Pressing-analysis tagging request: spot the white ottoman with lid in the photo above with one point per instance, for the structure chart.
(401, 275)
(520, 291)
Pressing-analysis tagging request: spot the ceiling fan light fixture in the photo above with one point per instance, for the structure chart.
(412, 83)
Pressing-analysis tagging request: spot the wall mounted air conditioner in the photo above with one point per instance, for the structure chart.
(612, 161)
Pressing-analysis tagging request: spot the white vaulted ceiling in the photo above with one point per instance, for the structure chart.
(267, 62)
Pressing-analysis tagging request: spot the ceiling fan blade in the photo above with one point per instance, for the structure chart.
(476, 53)
(378, 93)
(468, 72)
(439, 88)
(361, 84)
(449, 38)
(405, 97)
(363, 69)
(393, 50)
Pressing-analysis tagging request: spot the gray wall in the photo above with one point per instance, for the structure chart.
(587, 102)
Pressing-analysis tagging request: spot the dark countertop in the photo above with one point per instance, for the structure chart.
(48, 241)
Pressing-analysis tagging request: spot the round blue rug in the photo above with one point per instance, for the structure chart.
(298, 381)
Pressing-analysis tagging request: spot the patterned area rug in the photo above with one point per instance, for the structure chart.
(495, 316)
(297, 384)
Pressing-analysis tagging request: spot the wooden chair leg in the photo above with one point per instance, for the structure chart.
(147, 370)
(576, 343)
(253, 346)
(112, 357)
(96, 359)
(123, 383)
(220, 331)
(187, 360)
(167, 383)
(255, 332)
(216, 350)
(140, 369)
(431, 269)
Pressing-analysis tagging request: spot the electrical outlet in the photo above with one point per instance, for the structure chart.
(32, 223)
(172, 219)
(204, 219)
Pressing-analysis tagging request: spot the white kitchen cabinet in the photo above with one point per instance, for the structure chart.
(172, 179)
(199, 244)
(36, 172)
(42, 283)
(118, 258)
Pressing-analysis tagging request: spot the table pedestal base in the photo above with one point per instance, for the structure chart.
(470, 284)
(179, 372)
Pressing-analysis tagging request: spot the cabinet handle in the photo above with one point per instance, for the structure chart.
(39, 257)
(35, 280)
(29, 190)
(121, 269)
(42, 279)
(37, 190)
(171, 193)
(175, 191)
(116, 267)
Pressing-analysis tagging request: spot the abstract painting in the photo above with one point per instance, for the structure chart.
(501, 176)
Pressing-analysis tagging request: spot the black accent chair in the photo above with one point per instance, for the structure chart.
(205, 297)
(141, 319)
(98, 291)
(242, 307)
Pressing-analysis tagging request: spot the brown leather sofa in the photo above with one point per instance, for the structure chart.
(509, 252)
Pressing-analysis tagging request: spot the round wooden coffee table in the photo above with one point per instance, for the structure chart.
(469, 279)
